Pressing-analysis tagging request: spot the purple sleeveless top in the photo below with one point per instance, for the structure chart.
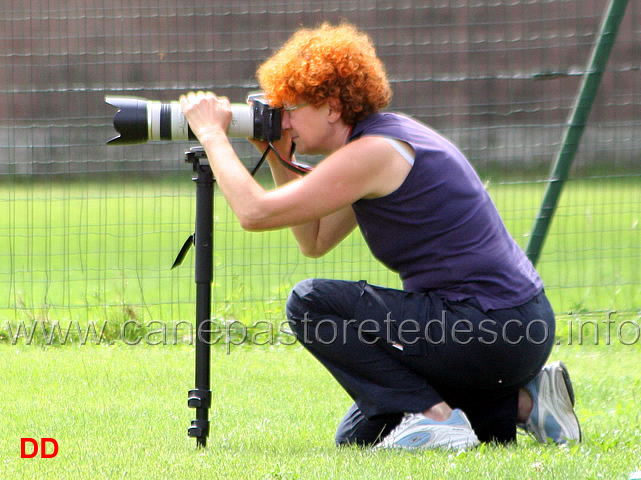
(440, 229)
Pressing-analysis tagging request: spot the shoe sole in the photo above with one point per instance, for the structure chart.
(467, 442)
(460, 436)
(570, 389)
(567, 381)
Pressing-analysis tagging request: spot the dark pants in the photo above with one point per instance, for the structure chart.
(397, 352)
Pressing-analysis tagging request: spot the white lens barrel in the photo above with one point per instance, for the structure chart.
(179, 124)
(242, 121)
(153, 119)
(166, 121)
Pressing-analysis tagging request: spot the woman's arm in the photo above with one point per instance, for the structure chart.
(317, 237)
(316, 206)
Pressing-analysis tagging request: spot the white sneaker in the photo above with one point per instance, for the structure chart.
(418, 431)
(553, 418)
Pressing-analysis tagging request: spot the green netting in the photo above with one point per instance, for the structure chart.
(89, 232)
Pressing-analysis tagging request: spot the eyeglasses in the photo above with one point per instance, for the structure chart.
(294, 107)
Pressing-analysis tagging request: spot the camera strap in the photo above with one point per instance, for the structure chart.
(295, 167)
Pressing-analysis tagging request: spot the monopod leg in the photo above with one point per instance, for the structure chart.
(200, 397)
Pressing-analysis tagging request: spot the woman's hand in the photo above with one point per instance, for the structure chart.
(206, 113)
(283, 145)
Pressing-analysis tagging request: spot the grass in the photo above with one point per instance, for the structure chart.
(90, 250)
(120, 412)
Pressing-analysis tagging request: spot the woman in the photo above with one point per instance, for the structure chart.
(457, 356)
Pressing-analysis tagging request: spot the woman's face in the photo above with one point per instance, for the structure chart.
(308, 127)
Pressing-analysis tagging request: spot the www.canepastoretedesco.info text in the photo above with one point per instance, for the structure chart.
(574, 331)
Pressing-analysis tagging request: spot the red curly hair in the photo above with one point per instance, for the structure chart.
(328, 62)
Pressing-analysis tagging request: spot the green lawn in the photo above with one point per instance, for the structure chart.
(98, 253)
(120, 412)
(92, 251)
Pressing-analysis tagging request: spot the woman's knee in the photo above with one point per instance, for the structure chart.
(318, 296)
(298, 303)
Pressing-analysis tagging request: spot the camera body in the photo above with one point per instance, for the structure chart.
(139, 120)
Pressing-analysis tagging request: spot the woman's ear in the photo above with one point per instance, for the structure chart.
(335, 109)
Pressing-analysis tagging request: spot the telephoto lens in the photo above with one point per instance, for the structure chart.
(139, 120)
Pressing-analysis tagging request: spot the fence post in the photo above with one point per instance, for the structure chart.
(576, 126)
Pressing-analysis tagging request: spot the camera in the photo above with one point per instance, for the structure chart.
(139, 120)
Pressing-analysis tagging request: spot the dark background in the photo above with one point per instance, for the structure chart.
(498, 77)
